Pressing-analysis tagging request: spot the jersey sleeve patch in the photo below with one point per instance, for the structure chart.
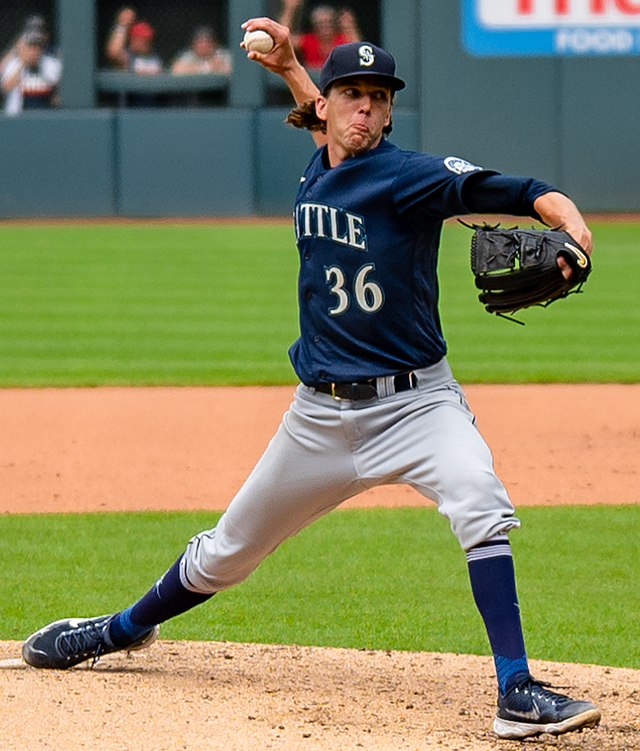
(460, 166)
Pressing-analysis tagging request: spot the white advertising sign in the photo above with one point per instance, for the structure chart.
(551, 27)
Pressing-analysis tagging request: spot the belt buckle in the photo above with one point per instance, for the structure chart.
(334, 393)
(353, 392)
(363, 391)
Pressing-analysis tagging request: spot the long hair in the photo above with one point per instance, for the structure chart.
(304, 116)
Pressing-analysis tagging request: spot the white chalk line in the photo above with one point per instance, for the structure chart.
(12, 663)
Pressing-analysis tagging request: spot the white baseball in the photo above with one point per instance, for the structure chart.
(258, 41)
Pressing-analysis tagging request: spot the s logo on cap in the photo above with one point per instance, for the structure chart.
(367, 58)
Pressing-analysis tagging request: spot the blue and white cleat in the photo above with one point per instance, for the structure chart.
(529, 709)
(63, 644)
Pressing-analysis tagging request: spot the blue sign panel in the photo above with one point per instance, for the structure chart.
(551, 27)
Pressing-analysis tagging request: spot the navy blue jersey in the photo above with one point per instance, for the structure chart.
(368, 232)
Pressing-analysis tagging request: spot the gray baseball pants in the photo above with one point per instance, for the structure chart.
(327, 450)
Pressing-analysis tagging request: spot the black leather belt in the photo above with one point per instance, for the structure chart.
(369, 389)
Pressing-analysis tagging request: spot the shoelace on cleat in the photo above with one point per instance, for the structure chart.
(542, 690)
(83, 641)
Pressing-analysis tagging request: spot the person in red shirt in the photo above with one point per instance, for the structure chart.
(130, 45)
(329, 28)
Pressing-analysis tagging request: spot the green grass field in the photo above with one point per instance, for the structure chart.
(216, 304)
(372, 578)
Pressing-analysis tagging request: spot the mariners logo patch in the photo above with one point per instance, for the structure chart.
(459, 166)
(365, 53)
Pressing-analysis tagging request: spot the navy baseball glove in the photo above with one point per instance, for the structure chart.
(517, 268)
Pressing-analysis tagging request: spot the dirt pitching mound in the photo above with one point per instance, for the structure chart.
(205, 696)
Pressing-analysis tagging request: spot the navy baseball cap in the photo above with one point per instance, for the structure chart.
(359, 59)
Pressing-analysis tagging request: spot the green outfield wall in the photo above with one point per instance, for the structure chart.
(151, 163)
(569, 120)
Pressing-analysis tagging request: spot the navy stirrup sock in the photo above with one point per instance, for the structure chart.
(493, 585)
(166, 599)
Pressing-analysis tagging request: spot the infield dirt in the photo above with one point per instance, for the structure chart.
(123, 449)
(161, 448)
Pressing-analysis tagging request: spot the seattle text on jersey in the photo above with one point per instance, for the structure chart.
(315, 220)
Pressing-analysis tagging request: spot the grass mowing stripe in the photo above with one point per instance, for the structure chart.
(372, 578)
(149, 305)
(197, 304)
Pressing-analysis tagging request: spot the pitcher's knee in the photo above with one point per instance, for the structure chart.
(473, 530)
(479, 511)
(213, 562)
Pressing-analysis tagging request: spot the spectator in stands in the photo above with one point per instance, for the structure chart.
(32, 23)
(30, 77)
(326, 32)
(130, 45)
(348, 25)
(204, 55)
